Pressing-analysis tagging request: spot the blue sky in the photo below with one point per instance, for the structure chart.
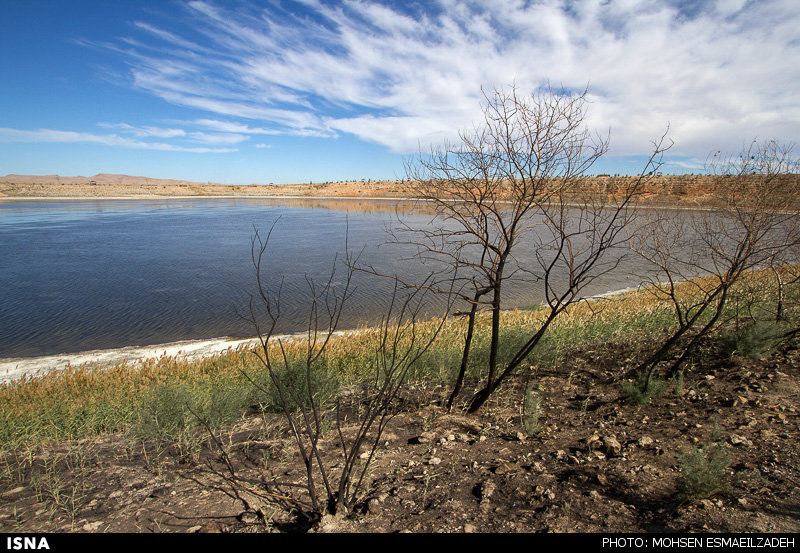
(291, 91)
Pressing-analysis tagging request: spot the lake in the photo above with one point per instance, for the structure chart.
(81, 275)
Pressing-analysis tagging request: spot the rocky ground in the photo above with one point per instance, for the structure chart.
(590, 462)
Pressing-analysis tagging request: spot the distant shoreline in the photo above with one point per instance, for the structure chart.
(200, 197)
(643, 205)
(679, 191)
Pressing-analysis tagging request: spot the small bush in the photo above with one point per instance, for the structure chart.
(163, 413)
(224, 402)
(299, 385)
(680, 386)
(704, 472)
(531, 411)
(642, 390)
(755, 340)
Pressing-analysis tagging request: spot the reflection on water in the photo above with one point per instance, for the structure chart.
(94, 274)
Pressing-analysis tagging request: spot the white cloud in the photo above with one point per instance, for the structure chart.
(242, 128)
(720, 72)
(228, 126)
(227, 135)
(145, 132)
(51, 135)
(216, 138)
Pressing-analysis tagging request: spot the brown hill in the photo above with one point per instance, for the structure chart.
(100, 178)
(661, 190)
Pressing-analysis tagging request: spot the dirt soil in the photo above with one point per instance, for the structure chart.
(596, 464)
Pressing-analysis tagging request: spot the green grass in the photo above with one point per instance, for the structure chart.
(755, 339)
(705, 472)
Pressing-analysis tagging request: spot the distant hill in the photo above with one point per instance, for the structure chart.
(689, 191)
(100, 178)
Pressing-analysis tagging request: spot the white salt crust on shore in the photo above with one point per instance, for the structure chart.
(14, 369)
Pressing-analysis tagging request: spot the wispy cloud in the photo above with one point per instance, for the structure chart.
(243, 128)
(144, 132)
(51, 135)
(720, 72)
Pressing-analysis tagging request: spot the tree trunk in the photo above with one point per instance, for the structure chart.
(465, 357)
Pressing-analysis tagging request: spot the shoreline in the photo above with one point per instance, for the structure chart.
(643, 206)
(16, 368)
(689, 192)
(202, 197)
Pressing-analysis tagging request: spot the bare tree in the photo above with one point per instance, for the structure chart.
(786, 270)
(518, 176)
(698, 257)
(399, 343)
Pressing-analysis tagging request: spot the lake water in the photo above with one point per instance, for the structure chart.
(98, 274)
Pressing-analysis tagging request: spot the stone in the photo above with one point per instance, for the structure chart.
(736, 439)
(706, 504)
(160, 492)
(92, 526)
(487, 489)
(611, 445)
(374, 506)
(329, 524)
